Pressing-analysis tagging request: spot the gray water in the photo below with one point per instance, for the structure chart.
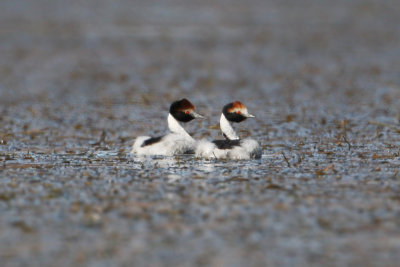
(79, 80)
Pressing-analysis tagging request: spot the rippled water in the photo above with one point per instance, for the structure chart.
(79, 81)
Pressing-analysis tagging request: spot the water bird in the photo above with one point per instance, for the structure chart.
(232, 147)
(178, 141)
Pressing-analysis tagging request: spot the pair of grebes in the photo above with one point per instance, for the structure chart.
(178, 141)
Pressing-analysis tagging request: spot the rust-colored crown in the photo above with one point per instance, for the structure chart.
(235, 106)
(184, 104)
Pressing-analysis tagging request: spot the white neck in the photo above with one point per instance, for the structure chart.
(175, 127)
(227, 129)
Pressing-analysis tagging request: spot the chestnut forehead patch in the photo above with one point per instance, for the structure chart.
(236, 106)
(184, 104)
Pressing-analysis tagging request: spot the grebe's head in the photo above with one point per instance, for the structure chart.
(183, 110)
(236, 112)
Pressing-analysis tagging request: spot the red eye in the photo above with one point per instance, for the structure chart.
(238, 112)
(187, 111)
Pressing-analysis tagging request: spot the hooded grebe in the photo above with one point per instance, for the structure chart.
(232, 147)
(176, 142)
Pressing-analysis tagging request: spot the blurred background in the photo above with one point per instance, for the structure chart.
(122, 50)
(81, 77)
